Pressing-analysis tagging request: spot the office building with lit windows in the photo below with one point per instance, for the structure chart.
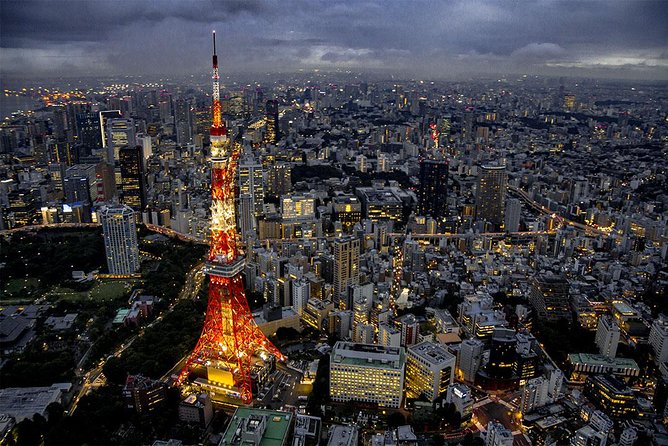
(347, 210)
(611, 395)
(490, 199)
(133, 177)
(380, 203)
(298, 207)
(367, 373)
(430, 369)
(120, 239)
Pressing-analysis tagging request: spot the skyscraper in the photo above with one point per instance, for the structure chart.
(433, 187)
(491, 194)
(120, 239)
(120, 133)
(512, 217)
(105, 116)
(346, 268)
(133, 182)
(88, 131)
(183, 121)
(273, 134)
(251, 182)
(607, 336)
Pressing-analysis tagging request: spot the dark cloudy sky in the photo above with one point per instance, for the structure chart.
(437, 39)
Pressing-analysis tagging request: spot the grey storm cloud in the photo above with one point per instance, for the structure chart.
(418, 38)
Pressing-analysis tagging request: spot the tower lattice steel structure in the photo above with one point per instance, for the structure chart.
(230, 338)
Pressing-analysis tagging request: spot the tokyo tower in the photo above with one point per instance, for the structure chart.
(230, 339)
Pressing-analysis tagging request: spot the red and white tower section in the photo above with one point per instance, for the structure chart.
(231, 340)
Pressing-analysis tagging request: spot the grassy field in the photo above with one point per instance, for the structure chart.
(110, 290)
(18, 285)
(102, 291)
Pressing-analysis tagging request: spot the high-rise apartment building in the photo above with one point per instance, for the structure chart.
(430, 369)
(133, 178)
(367, 373)
(432, 190)
(607, 336)
(120, 239)
(490, 197)
(534, 394)
(346, 268)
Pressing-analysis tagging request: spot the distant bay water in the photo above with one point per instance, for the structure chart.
(11, 104)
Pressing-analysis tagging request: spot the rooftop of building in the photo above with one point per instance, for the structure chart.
(276, 431)
(368, 355)
(596, 359)
(432, 353)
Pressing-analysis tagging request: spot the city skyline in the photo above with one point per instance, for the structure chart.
(623, 39)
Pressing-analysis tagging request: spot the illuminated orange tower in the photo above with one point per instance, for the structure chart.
(230, 338)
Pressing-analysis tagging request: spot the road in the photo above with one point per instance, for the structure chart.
(94, 378)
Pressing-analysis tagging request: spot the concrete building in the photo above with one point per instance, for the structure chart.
(389, 335)
(607, 336)
(588, 436)
(512, 216)
(549, 297)
(534, 394)
(143, 394)
(367, 373)
(658, 338)
(462, 397)
(339, 435)
(257, 427)
(430, 369)
(24, 402)
(498, 435)
(120, 239)
(470, 357)
(196, 409)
